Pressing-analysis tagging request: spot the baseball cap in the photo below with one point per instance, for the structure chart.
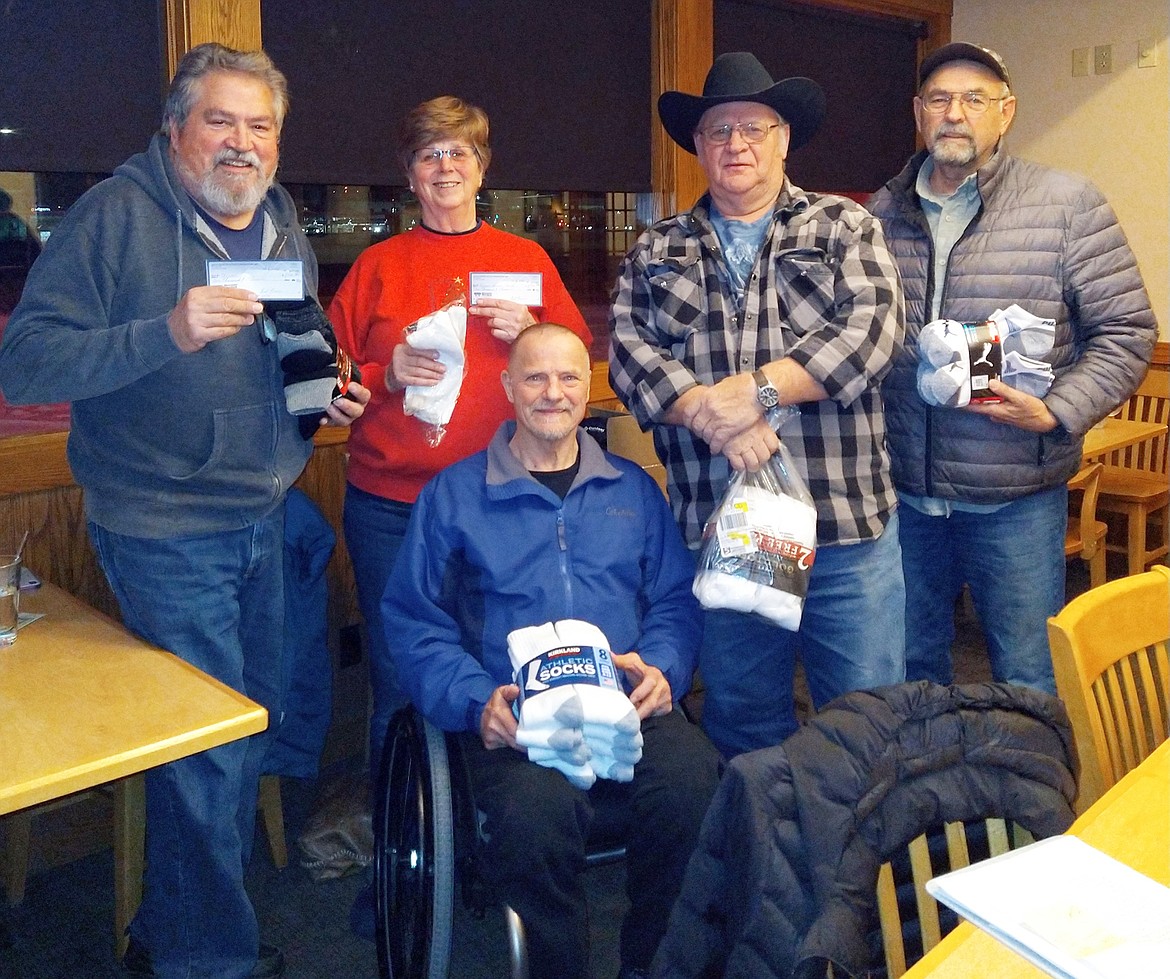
(962, 51)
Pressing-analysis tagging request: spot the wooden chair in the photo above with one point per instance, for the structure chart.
(129, 803)
(906, 910)
(1085, 537)
(1109, 654)
(623, 437)
(1135, 485)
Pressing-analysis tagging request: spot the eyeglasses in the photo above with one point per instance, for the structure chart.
(753, 132)
(432, 155)
(975, 103)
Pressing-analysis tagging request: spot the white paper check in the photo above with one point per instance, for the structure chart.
(525, 288)
(269, 280)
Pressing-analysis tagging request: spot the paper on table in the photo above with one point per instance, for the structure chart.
(1067, 907)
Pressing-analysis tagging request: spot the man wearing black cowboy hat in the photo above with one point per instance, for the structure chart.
(983, 487)
(765, 295)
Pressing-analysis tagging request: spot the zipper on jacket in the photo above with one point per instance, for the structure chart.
(563, 556)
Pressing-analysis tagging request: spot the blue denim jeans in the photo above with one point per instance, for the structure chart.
(375, 528)
(850, 638)
(1013, 562)
(216, 601)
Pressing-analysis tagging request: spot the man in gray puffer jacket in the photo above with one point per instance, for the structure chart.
(983, 487)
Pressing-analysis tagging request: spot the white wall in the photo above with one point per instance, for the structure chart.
(1113, 128)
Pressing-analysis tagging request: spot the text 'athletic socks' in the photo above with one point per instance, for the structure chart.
(572, 710)
(549, 724)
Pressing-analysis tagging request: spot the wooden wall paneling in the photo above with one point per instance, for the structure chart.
(58, 548)
(186, 23)
(682, 37)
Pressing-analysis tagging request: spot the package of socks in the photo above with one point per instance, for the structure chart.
(759, 545)
(573, 713)
(958, 361)
(445, 332)
(316, 371)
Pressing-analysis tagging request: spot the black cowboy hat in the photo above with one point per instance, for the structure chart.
(739, 77)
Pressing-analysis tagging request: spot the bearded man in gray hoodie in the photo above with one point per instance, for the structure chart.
(185, 446)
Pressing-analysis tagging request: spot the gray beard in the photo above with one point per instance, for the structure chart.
(953, 154)
(221, 198)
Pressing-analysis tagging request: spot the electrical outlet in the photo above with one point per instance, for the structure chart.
(1103, 59)
(1080, 62)
(1148, 52)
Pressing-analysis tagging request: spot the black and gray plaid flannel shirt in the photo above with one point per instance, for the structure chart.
(824, 292)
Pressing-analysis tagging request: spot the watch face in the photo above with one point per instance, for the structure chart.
(766, 392)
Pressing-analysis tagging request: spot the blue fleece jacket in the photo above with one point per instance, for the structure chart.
(489, 550)
(165, 444)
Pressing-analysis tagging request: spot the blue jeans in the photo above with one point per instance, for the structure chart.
(1012, 560)
(850, 638)
(375, 528)
(216, 601)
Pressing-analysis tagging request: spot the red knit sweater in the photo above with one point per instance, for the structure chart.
(390, 286)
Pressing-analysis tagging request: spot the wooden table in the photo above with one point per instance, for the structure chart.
(1112, 434)
(1130, 822)
(84, 702)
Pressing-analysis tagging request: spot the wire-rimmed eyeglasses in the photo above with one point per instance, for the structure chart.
(975, 103)
(431, 155)
(753, 132)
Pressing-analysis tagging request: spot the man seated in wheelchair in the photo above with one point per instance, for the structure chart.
(542, 604)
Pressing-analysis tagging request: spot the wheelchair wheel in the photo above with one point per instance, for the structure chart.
(414, 852)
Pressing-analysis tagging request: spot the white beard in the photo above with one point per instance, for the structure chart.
(226, 194)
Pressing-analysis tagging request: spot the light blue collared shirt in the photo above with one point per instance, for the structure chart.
(948, 218)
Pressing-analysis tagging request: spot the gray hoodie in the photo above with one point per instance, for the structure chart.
(165, 444)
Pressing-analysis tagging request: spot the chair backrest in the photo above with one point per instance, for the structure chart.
(907, 913)
(1083, 515)
(1150, 403)
(626, 439)
(1109, 654)
(1085, 536)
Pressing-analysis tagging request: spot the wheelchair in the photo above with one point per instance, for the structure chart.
(426, 842)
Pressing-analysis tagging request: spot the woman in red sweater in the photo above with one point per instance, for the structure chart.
(444, 151)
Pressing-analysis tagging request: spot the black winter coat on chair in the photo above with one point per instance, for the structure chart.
(785, 872)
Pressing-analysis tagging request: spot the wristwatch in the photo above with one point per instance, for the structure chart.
(766, 392)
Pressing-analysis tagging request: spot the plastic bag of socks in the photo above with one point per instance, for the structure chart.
(443, 331)
(759, 545)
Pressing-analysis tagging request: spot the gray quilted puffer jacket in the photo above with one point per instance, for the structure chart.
(1050, 242)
